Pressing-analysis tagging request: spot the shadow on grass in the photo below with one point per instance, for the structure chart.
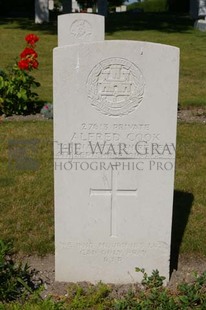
(164, 22)
(29, 24)
(181, 210)
(4, 182)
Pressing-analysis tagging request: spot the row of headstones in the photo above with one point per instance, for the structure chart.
(122, 8)
(42, 8)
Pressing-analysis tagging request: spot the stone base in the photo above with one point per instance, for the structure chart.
(200, 24)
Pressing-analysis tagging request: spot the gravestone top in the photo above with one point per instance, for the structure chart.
(80, 27)
(201, 24)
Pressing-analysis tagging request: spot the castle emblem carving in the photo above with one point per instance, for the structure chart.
(115, 86)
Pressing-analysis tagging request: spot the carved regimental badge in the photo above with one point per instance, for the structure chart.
(81, 29)
(115, 87)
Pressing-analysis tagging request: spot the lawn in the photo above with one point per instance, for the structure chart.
(26, 202)
(27, 195)
(161, 28)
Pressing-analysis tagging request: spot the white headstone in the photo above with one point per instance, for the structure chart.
(123, 8)
(197, 8)
(51, 5)
(77, 28)
(202, 7)
(115, 113)
(41, 11)
(89, 10)
(200, 25)
(118, 9)
(75, 6)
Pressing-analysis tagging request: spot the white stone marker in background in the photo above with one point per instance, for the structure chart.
(202, 7)
(41, 11)
(115, 113)
(75, 6)
(77, 28)
(197, 8)
(201, 24)
(123, 8)
(51, 5)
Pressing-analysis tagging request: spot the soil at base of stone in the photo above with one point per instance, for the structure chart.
(188, 265)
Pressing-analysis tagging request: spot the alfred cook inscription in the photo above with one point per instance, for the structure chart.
(115, 86)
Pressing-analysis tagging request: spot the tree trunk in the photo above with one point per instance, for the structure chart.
(67, 6)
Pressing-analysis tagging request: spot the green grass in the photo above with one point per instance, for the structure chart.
(26, 202)
(172, 30)
(27, 195)
(12, 34)
(162, 28)
(190, 178)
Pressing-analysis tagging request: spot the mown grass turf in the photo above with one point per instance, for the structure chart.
(27, 203)
(162, 28)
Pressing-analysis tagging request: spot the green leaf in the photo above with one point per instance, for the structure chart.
(22, 94)
(2, 83)
(183, 299)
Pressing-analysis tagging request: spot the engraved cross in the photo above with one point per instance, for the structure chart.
(113, 191)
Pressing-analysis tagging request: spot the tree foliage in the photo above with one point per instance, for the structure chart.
(178, 6)
(17, 6)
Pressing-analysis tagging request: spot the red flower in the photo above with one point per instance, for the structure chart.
(31, 39)
(23, 64)
(29, 52)
(28, 55)
(34, 63)
(28, 64)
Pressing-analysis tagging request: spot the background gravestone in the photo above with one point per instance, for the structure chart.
(197, 8)
(202, 8)
(41, 11)
(115, 113)
(77, 28)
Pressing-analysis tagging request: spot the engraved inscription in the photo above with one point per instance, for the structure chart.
(115, 86)
(115, 251)
(81, 29)
(113, 191)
